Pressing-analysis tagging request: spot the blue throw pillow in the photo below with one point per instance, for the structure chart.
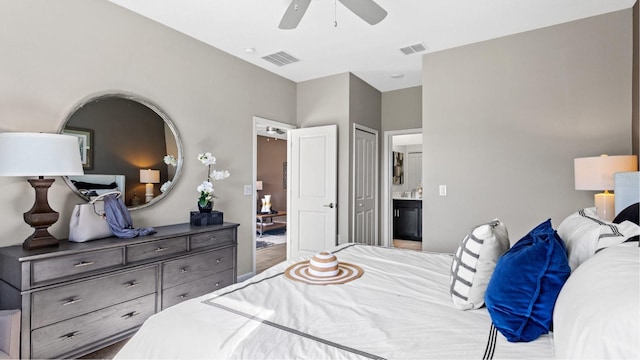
(525, 284)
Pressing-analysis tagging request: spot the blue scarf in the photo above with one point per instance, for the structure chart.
(119, 219)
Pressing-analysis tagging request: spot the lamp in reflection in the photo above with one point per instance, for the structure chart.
(149, 177)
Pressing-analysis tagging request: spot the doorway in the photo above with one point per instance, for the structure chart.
(270, 192)
(402, 181)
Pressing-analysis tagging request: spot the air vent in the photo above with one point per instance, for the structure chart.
(412, 49)
(280, 58)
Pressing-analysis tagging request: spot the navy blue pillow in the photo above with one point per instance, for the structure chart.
(525, 284)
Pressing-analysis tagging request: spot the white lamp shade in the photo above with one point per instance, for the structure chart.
(596, 173)
(39, 154)
(148, 176)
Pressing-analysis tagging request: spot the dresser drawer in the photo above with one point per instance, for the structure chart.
(67, 301)
(187, 269)
(156, 249)
(196, 288)
(54, 341)
(212, 238)
(76, 264)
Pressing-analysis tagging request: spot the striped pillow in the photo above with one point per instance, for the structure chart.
(474, 261)
(584, 235)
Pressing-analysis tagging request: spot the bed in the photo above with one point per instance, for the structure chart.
(402, 307)
(96, 184)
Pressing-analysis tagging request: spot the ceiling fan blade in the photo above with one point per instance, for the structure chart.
(367, 10)
(294, 14)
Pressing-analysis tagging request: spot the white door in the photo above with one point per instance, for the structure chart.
(365, 216)
(312, 159)
(414, 170)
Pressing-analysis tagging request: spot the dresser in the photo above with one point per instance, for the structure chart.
(79, 297)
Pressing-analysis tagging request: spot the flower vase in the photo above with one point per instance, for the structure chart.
(206, 208)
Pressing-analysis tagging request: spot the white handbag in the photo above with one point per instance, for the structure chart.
(88, 221)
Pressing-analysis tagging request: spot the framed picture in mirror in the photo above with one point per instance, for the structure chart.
(85, 145)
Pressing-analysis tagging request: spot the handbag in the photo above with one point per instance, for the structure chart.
(88, 221)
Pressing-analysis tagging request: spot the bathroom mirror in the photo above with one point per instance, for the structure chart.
(123, 140)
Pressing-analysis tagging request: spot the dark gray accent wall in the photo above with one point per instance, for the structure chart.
(504, 119)
(635, 126)
(271, 156)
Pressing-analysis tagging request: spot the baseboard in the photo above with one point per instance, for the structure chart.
(246, 276)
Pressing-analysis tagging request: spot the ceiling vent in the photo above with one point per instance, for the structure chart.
(280, 58)
(412, 49)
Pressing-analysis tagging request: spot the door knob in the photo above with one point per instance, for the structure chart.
(330, 205)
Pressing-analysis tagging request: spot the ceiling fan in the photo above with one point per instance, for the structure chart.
(367, 10)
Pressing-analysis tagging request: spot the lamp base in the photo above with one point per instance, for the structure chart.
(40, 217)
(605, 206)
(148, 194)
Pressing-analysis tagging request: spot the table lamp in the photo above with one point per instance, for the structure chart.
(149, 177)
(39, 154)
(596, 173)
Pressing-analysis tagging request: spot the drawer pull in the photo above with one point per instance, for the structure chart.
(213, 238)
(72, 301)
(183, 296)
(70, 335)
(131, 314)
(83, 264)
(218, 261)
(161, 249)
(184, 270)
(217, 284)
(132, 284)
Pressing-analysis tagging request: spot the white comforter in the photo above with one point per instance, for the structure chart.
(399, 309)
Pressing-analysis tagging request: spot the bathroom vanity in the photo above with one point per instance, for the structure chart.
(407, 219)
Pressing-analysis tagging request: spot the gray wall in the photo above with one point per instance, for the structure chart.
(325, 101)
(340, 99)
(365, 107)
(56, 53)
(504, 119)
(402, 109)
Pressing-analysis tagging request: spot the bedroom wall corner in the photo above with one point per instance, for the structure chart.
(504, 119)
(325, 101)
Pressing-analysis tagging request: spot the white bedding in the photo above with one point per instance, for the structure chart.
(399, 309)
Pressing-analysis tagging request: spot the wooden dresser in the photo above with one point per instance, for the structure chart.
(79, 297)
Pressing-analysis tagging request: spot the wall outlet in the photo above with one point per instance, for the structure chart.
(248, 189)
(443, 190)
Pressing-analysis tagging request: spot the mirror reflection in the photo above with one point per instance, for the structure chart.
(126, 143)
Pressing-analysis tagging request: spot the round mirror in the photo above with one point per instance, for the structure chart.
(127, 144)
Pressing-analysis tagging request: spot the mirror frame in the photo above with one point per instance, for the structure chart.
(149, 104)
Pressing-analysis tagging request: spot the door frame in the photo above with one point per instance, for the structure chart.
(387, 201)
(376, 188)
(254, 175)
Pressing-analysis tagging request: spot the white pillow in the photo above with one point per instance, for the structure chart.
(596, 313)
(474, 261)
(583, 234)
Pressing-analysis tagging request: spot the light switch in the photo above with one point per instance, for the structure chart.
(443, 190)
(248, 189)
